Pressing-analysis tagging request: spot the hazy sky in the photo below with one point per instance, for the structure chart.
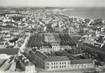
(53, 3)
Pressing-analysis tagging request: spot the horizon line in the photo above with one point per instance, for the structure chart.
(51, 7)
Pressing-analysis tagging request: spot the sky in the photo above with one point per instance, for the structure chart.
(52, 3)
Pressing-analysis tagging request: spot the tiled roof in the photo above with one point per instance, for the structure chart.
(57, 58)
(8, 26)
(41, 39)
(81, 61)
(66, 40)
(35, 41)
(56, 36)
(1, 40)
(9, 51)
(7, 64)
(40, 55)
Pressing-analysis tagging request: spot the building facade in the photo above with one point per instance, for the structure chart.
(56, 63)
(66, 64)
(30, 69)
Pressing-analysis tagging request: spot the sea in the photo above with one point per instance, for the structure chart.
(84, 12)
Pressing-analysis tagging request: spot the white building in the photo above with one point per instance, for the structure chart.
(63, 63)
(30, 69)
(57, 63)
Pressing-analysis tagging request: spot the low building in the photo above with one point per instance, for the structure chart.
(49, 49)
(54, 48)
(57, 63)
(57, 42)
(81, 64)
(53, 63)
(3, 44)
(49, 42)
(45, 49)
(7, 57)
(63, 63)
(36, 58)
(65, 47)
(30, 69)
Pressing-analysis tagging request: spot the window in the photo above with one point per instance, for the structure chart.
(52, 67)
(68, 62)
(84, 65)
(77, 66)
(64, 66)
(56, 66)
(47, 63)
(73, 66)
(47, 67)
(56, 63)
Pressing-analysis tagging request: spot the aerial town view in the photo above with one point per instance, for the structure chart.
(52, 39)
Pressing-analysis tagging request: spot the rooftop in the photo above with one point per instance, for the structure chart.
(66, 40)
(41, 39)
(49, 37)
(57, 58)
(81, 61)
(9, 51)
(40, 55)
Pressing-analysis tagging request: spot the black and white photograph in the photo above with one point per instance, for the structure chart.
(52, 36)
